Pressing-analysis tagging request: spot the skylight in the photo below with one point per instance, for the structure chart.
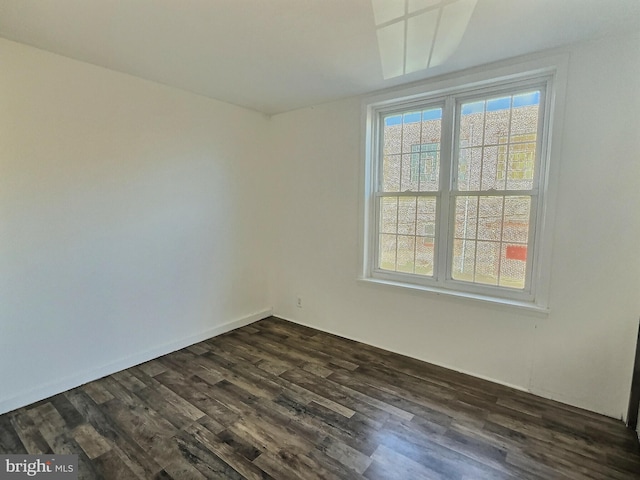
(414, 35)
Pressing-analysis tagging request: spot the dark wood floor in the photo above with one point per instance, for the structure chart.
(278, 400)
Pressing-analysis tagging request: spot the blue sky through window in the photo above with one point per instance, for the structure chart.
(495, 104)
(413, 117)
(502, 103)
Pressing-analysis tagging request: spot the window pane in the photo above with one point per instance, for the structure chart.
(406, 253)
(464, 260)
(408, 181)
(387, 252)
(389, 215)
(469, 168)
(521, 163)
(517, 211)
(426, 216)
(424, 255)
(411, 128)
(487, 263)
(431, 125)
(497, 120)
(497, 143)
(491, 178)
(393, 134)
(391, 173)
(407, 215)
(472, 124)
(490, 218)
(524, 115)
(513, 265)
(466, 222)
(426, 228)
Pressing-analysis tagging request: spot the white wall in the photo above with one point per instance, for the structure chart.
(582, 352)
(136, 218)
(131, 217)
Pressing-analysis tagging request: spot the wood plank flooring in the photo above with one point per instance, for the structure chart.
(278, 400)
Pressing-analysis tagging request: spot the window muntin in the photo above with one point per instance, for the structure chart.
(461, 216)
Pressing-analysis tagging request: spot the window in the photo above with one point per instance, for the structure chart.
(456, 185)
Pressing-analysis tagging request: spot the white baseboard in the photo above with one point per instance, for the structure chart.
(72, 381)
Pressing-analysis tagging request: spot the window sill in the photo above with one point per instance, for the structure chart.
(503, 302)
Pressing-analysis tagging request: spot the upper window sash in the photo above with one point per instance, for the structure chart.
(518, 93)
(396, 146)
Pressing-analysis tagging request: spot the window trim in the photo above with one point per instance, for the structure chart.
(549, 72)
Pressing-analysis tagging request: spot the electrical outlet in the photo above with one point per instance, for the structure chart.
(299, 302)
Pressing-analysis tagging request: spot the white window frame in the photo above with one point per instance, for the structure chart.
(547, 73)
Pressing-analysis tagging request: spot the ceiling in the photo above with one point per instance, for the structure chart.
(278, 55)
